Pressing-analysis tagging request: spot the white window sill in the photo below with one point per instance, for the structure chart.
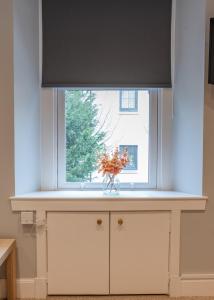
(96, 201)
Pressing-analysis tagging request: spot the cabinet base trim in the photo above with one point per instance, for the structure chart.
(192, 285)
(25, 288)
(187, 285)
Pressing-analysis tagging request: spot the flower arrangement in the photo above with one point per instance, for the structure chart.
(111, 165)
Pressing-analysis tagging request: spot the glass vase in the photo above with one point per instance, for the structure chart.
(111, 185)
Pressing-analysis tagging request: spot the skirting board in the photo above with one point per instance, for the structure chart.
(187, 285)
(26, 288)
(196, 285)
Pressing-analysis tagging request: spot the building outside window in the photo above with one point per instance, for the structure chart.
(128, 101)
(89, 123)
(133, 156)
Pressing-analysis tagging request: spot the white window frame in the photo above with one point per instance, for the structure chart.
(152, 172)
(49, 133)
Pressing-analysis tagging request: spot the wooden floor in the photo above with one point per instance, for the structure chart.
(149, 297)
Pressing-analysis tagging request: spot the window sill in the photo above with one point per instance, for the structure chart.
(96, 201)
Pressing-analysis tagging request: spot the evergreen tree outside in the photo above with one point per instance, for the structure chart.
(84, 138)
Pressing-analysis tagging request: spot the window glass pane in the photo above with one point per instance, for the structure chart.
(131, 95)
(128, 101)
(133, 156)
(125, 94)
(131, 103)
(125, 103)
(93, 124)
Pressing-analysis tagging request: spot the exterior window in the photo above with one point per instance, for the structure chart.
(128, 101)
(133, 156)
(89, 124)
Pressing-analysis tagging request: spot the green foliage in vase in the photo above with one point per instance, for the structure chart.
(84, 138)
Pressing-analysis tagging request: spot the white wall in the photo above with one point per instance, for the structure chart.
(205, 223)
(19, 98)
(198, 228)
(26, 95)
(197, 245)
(188, 95)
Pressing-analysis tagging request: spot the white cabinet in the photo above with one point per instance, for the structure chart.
(139, 247)
(126, 254)
(78, 253)
(64, 253)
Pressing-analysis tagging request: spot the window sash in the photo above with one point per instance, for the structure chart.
(152, 172)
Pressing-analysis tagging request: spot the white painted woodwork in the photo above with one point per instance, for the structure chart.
(193, 285)
(41, 250)
(89, 195)
(139, 253)
(96, 201)
(78, 253)
(174, 256)
(90, 202)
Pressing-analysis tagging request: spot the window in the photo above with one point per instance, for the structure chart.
(132, 152)
(128, 101)
(89, 124)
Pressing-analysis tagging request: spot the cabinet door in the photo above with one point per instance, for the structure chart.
(139, 248)
(78, 253)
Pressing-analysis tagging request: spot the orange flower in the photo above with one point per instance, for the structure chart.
(113, 163)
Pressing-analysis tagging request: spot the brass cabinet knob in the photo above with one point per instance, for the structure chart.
(99, 222)
(120, 221)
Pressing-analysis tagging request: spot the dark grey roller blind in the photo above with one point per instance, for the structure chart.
(106, 43)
